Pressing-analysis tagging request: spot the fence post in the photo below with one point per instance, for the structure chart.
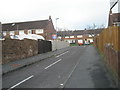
(119, 54)
(0, 58)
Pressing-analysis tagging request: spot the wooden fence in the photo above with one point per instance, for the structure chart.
(108, 43)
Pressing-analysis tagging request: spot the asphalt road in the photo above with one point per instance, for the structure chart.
(79, 67)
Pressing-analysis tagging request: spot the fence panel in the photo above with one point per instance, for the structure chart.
(108, 43)
(44, 46)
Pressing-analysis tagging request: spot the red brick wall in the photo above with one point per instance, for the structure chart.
(49, 31)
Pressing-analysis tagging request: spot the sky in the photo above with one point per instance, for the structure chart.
(72, 14)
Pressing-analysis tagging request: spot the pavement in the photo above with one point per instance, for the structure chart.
(14, 65)
(75, 67)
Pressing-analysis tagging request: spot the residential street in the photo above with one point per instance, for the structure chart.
(79, 67)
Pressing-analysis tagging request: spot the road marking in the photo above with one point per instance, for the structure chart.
(53, 63)
(62, 54)
(21, 82)
(62, 86)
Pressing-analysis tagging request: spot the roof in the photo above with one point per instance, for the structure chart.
(41, 24)
(114, 17)
(78, 32)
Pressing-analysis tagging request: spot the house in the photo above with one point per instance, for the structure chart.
(114, 19)
(78, 36)
(40, 27)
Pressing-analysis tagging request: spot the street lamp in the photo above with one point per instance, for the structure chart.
(56, 25)
(14, 25)
(56, 33)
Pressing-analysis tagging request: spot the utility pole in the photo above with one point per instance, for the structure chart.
(56, 25)
(0, 58)
(56, 33)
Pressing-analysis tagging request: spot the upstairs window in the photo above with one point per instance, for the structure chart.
(39, 31)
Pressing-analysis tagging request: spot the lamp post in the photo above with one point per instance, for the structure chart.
(17, 26)
(56, 33)
(84, 36)
(56, 25)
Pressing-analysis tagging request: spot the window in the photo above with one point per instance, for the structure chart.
(73, 41)
(39, 31)
(66, 36)
(91, 40)
(93, 35)
(59, 37)
(12, 33)
(71, 36)
(90, 35)
(4, 33)
(29, 31)
(79, 36)
(21, 32)
(69, 41)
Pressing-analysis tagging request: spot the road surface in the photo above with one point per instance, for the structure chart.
(79, 67)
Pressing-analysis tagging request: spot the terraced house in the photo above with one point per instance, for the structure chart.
(79, 36)
(39, 27)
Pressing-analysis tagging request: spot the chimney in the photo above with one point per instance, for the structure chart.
(49, 17)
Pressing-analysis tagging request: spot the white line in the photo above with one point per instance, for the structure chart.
(62, 54)
(53, 63)
(63, 84)
(21, 82)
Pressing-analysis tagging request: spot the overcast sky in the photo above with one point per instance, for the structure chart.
(72, 14)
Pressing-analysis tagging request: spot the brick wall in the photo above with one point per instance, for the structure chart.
(49, 31)
(0, 45)
(18, 49)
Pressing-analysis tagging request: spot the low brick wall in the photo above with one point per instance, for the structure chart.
(18, 49)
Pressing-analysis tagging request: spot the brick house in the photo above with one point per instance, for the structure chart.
(114, 19)
(40, 27)
(78, 36)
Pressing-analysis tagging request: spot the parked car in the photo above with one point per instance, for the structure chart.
(87, 43)
(80, 42)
